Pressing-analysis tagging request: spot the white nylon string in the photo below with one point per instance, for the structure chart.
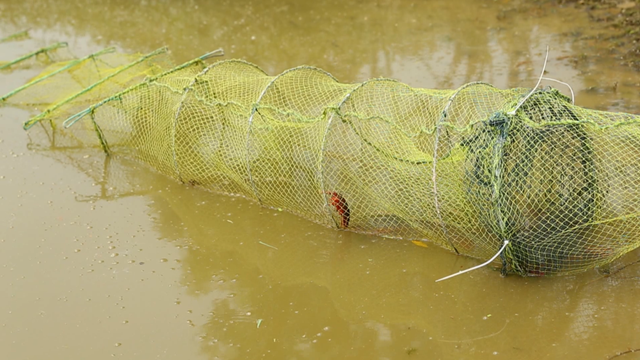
(478, 266)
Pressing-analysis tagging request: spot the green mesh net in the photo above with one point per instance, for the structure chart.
(467, 169)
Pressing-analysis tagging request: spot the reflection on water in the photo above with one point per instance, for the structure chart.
(105, 258)
(439, 44)
(288, 288)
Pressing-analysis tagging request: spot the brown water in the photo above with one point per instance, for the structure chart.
(104, 258)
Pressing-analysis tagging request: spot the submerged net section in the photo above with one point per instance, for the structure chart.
(455, 167)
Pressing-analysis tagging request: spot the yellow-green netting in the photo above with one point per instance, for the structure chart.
(467, 169)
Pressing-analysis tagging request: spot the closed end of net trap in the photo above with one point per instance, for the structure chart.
(470, 169)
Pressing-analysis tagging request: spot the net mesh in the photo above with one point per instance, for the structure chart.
(454, 167)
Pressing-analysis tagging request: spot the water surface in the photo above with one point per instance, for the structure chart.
(105, 258)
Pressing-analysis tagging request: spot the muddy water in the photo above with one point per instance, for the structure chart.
(104, 258)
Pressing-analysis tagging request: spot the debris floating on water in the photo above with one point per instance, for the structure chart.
(267, 245)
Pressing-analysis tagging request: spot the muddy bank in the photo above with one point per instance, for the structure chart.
(617, 25)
